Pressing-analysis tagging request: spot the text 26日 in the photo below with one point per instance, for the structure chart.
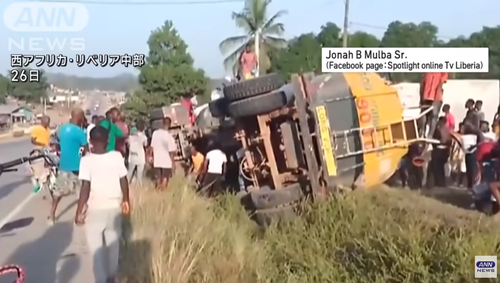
(366, 54)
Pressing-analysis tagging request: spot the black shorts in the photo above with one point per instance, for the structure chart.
(162, 173)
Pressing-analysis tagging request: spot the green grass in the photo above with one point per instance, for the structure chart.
(377, 236)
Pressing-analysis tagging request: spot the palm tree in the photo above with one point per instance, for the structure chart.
(261, 31)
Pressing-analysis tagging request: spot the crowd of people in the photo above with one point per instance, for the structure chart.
(456, 159)
(100, 159)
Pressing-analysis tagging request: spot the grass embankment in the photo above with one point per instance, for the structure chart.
(383, 236)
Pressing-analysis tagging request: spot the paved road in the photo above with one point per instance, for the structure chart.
(99, 99)
(48, 253)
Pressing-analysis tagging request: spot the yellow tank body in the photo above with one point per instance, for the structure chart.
(361, 132)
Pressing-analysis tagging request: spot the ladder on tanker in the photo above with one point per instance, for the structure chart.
(381, 137)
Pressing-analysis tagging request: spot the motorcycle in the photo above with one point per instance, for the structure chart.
(484, 201)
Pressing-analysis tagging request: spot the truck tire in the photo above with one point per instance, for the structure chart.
(218, 108)
(250, 88)
(156, 124)
(156, 114)
(257, 105)
(266, 198)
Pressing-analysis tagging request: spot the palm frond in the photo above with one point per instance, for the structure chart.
(233, 42)
(244, 22)
(270, 23)
(233, 58)
(258, 10)
(274, 42)
(277, 29)
(252, 19)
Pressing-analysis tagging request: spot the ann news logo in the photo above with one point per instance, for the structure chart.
(38, 27)
(485, 267)
(46, 17)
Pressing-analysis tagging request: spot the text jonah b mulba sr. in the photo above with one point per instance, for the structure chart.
(365, 54)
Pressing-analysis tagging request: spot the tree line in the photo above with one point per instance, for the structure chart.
(302, 54)
(169, 72)
(26, 91)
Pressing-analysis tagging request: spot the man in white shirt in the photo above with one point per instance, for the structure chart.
(91, 126)
(104, 197)
(214, 169)
(164, 148)
(488, 135)
(470, 139)
(137, 155)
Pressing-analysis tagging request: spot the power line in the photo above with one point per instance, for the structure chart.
(149, 3)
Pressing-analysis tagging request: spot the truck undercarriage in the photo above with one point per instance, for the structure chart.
(315, 136)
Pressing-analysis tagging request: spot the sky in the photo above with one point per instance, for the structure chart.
(124, 29)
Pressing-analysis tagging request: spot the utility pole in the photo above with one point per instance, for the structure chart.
(257, 51)
(346, 23)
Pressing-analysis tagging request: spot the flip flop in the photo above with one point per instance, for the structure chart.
(37, 188)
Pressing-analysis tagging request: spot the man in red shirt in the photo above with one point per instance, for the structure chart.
(431, 95)
(248, 61)
(450, 119)
(188, 104)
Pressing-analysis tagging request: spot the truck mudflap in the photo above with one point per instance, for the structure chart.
(384, 145)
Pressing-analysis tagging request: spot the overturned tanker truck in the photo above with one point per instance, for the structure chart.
(182, 128)
(187, 131)
(313, 137)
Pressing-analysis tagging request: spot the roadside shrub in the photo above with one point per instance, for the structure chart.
(178, 237)
(382, 236)
(376, 236)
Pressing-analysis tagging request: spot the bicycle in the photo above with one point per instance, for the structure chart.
(4, 168)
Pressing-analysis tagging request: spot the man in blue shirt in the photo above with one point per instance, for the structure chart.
(72, 140)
